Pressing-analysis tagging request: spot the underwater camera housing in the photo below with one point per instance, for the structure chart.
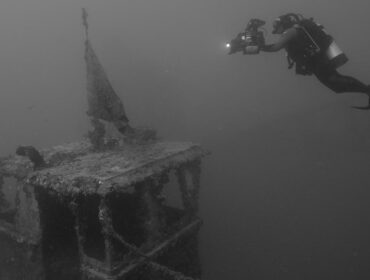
(249, 41)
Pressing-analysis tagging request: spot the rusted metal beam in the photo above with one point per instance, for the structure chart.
(153, 213)
(188, 176)
(175, 275)
(195, 171)
(183, 184)
(192, 227)
(105, 218)
(75, 208)
(143, 258)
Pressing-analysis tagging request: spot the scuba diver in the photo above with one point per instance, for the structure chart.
(313, 51)
(308, 47)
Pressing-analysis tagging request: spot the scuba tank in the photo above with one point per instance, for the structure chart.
(322, 43)
(335, 56)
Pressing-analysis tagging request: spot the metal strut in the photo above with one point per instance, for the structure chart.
(106, 220)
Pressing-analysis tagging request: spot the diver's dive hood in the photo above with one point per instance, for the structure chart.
(286, 21)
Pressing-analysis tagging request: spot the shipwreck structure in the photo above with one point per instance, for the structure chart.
(102, 208)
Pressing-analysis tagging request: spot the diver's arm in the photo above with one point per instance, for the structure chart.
(285, 38)
(271, 48)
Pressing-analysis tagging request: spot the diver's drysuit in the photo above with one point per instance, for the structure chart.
(313, 51)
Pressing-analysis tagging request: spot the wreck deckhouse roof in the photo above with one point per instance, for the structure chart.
(74, 169)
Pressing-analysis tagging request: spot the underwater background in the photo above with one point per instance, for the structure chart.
(286, 189)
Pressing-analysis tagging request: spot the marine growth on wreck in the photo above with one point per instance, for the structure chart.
(123, 207)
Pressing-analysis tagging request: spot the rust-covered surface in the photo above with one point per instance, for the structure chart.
(84, 198)
(98, 209)
(20, 167)
(74, 169)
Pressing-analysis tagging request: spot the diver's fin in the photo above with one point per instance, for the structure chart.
(363, 107)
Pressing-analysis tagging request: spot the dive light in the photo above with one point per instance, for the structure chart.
(249, 41)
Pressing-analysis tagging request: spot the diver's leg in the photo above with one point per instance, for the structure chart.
(348, 84)
(340, 83)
